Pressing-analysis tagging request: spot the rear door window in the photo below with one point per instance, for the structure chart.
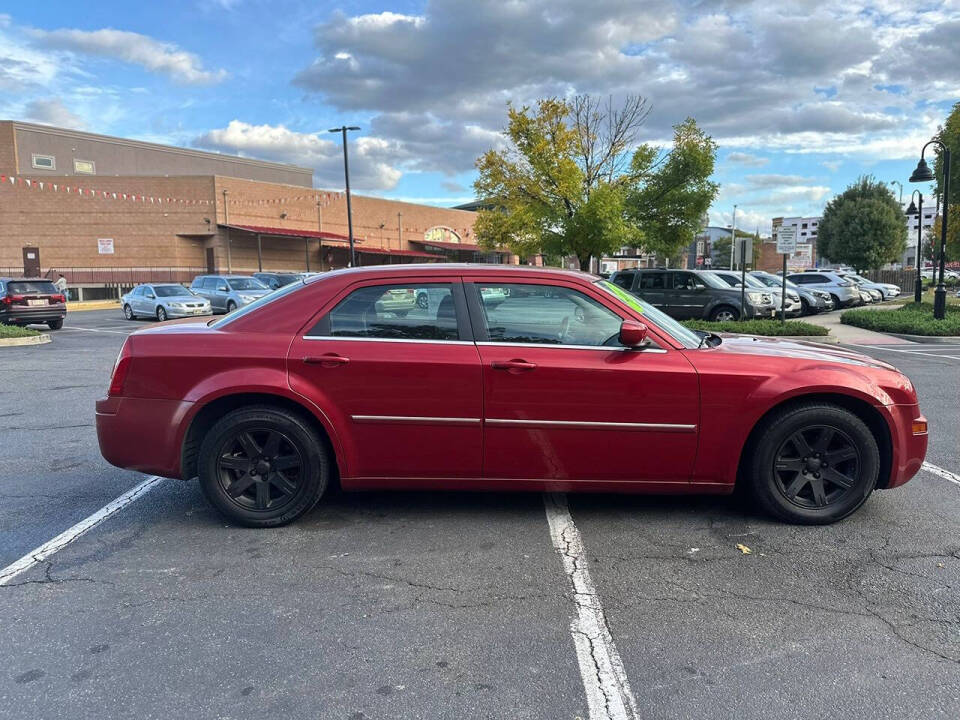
(653, 281)
(624, 280)
(394, 312)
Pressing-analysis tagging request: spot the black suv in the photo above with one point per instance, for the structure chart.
(694, 294)
(29, 301)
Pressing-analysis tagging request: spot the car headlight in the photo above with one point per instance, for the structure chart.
(176, 305)
(759, 298)
(247, 298)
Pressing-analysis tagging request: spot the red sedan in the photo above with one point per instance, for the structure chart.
(474, 377)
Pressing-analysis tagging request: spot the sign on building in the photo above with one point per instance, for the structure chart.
(786, 239)
(105, 246)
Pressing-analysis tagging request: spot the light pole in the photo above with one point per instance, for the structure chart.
(346, 175)
(918, 211)
(733, 236)
(923, 173)
(900, 184)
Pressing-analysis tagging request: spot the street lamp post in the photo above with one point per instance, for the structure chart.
(923, 173)
(733, 236)
(900, 185)
(918, 211)
(346, 176)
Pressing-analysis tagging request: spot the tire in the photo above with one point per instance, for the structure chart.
(161, 313)
(423, 302)
(231, 306)
(790, 481)
(724, 313)
(836, 301)
(264, 498)
(55, 324)
(128, 313)
(805, 308)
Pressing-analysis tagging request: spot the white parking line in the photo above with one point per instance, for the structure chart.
(604, 679)
(115, 332)
(940, 472)
(927, 353)
(38, 555)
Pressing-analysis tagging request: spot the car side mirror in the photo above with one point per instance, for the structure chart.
(151, 296)
(221, 288)
(632, 333)
(699, 288)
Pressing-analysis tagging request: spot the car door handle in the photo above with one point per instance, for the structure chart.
(331, 360)
(512, 365)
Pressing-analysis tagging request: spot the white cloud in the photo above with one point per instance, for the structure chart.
(370, 157)
(747, 160)
(52, 112)
(151, 54)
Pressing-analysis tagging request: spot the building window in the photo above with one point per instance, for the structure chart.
(84, 167)
(43, 162)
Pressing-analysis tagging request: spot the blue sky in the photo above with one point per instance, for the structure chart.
(802, 97)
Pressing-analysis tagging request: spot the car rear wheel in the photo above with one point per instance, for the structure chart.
(804, 307)
(724, 313)
(161, 313)
(423, 302)
(814, 464)
(262, 467)
(128, 312)
(55, 324)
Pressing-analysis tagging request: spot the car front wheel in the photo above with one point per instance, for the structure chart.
(262, 466)
(724, 314)
(128, 312)
(231, 306)
(814, 464)
(161, 313)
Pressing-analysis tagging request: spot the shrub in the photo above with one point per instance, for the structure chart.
(759, 327)
(911, 319)
(14, 331)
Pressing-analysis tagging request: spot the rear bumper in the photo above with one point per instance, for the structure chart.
(909, 450)
(16, 315)
(140, 434)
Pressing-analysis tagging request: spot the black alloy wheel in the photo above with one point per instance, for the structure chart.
(812, 463)
(263, 466)
(817, 466)
(259, 469)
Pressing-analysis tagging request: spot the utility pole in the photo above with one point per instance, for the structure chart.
(346, 178)
(733, 236)
(226, 221)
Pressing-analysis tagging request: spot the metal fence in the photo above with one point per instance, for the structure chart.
(119, 276)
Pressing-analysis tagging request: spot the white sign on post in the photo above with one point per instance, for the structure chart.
(105, 246)
(787, 240)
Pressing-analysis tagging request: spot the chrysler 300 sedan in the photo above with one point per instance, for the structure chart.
(565, 383)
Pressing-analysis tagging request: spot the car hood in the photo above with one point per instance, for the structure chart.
(796, 349)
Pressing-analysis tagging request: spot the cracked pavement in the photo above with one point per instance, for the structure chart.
(437, 605)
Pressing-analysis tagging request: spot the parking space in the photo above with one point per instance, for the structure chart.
(426, 605)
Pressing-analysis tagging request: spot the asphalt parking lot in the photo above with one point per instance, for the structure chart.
(454, 605)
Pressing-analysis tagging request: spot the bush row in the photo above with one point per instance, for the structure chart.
(759, 327)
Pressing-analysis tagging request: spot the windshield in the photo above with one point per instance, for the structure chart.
(733, 280)
(256, 304)
(678, 332)
(171, 290)
(246, 284)
(772, 280)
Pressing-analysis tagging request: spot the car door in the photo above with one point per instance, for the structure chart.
(564, 401)
(688, 297)
(219, 291)
(653, 286)
(147, 300)
(402, 386)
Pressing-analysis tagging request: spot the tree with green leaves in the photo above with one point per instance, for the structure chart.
(949, 135)
(570, 182)
(864, 226)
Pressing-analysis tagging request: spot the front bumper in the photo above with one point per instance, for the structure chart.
(187, 312)
(141, 434)
(909, 450)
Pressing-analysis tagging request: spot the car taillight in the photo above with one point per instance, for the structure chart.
(121, 368)
(54, 299)
(10, 299)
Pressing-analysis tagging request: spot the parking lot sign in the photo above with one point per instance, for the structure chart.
(787, 240)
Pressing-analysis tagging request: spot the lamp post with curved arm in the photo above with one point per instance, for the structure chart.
(923, 173)
(918, 211)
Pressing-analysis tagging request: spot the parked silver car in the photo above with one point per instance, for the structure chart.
(226, 293)
(845, 293)
(163, 301)
(886, 290)
(811, 301)
(732, 278)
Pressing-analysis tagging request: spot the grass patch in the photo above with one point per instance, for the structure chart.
(15, 331)
(772, 328)
(911, 319)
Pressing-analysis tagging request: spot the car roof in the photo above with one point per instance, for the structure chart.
(456, 268)
(25, 279)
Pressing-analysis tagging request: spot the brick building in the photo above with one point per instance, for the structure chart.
(109, 213)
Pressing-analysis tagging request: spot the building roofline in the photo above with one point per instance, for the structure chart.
(79, 135)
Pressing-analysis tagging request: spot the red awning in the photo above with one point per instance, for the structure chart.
(286, 232)
(399, 253)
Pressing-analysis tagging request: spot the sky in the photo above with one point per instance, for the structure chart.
(802, 97)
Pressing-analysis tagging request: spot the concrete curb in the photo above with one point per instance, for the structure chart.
(93, 305)
(30, 340)
(932, 339)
